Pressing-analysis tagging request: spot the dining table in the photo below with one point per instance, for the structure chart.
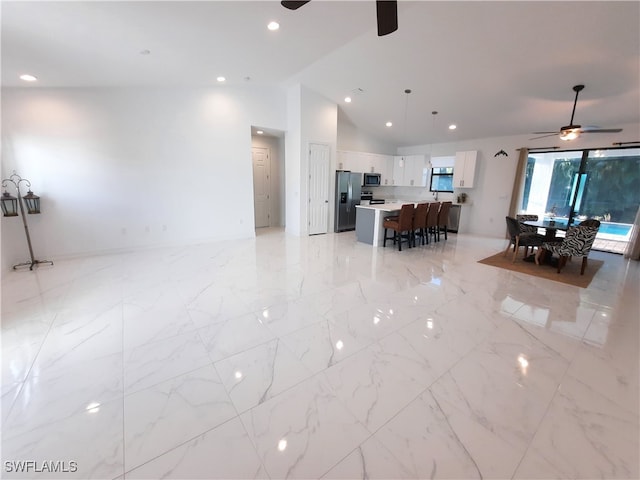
(550, 226)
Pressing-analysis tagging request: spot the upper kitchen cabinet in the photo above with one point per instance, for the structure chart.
(409, 171)
(341, 159)
(465, 169)
(353, 161)
(363, 162)
(414, 171)
(384, 166)
(398, 171)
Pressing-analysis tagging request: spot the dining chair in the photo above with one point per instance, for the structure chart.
(401, 226)
(517, 239)
(590, 222)
(526, 217)
(576, 243)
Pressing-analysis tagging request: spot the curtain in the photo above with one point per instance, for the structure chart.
(633, 247)
(518, 183)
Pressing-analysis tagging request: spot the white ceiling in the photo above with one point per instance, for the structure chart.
(493, 68)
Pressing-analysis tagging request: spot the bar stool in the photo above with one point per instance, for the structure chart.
(401, 226)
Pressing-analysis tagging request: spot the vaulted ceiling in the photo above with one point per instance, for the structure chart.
(492, 68)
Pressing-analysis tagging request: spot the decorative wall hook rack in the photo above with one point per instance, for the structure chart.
(10, 206)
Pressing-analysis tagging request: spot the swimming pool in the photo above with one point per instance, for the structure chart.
(614, 231)
(622, 229)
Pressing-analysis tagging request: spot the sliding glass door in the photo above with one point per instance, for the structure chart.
(611, 191)
(550, 183)
(574, 185)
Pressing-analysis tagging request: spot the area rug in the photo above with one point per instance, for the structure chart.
(570, 273)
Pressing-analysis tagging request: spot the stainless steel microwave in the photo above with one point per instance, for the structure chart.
(371, 180)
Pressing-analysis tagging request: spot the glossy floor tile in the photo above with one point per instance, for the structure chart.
(318, 357)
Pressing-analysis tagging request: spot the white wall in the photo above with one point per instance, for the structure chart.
(125, 168)
(293, 158)
(312, 118)
(319, 125)
(352, 139)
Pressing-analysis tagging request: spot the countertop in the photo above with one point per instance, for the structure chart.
(383, 207)
(392, 206)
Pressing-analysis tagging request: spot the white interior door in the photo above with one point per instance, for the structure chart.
(318, 188)
(261, 185)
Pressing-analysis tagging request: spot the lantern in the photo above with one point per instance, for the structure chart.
(32, 201)
(9, 205)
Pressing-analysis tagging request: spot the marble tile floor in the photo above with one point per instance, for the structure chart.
(318, 357)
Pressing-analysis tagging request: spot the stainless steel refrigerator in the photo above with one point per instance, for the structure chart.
(348, 187)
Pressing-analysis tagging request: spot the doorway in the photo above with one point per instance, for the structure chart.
(268, 166)
(261, 159)
(319, 164)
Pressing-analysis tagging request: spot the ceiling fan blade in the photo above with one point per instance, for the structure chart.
(387, 11)
(601, 130)
(542, 133)
(550, 134)
(294, 4)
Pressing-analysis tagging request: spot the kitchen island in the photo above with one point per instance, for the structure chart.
(369, 219)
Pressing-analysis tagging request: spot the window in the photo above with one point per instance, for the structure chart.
(441, 179)
(572, 186)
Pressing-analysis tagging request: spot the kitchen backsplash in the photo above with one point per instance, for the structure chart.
(409, 193)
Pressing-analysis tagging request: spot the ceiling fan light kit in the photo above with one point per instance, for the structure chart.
(571, 131)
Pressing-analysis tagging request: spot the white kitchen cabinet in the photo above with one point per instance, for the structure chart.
(405, 170)
(398, 171)
(349, 161)
(371, 163)
(342, 159)
(409, 171)
(358, 161)
(385, 169)
(414, 171)
(465, 169)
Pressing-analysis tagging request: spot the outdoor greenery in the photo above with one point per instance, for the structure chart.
(611, 191)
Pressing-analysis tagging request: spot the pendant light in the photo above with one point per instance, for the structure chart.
(406, 112)
(433, 131)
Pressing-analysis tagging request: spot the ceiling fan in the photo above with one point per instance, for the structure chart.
(387, 11)
(571, 131)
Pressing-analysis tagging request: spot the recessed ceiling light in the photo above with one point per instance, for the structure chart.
(28, 78)
(259, 132)
(347, 99)
(452, 127)
(388, 124)
(221, 79)
(273, 26)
